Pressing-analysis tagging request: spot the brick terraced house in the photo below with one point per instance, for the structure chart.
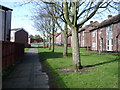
(108, 34)
(85, 35)
(104, 36)
(60, 38)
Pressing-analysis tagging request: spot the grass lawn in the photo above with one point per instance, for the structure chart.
(102, 71)
(26, 49)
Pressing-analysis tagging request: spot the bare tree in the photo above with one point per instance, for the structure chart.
(76, 14)
(56, 14)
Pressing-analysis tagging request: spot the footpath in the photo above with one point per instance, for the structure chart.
(28, 73)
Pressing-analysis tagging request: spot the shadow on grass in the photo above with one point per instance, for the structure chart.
(39, 47)
(47, 55)
(115, 60)
(55, 81)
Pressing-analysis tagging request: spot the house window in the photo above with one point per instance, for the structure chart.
(109, 32)
(83, 42)
(109, 38)
(93, 44)
(93, 33)
(83, 33)
(100, 44)
(119, 24)
(100, 31)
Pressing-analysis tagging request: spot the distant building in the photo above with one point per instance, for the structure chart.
(59, 38)
(32, 40)
(104, 36)
(19, 35)
(85, 38)
(5, 23)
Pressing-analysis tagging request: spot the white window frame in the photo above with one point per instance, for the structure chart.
(119, 24)
(83, 33)
(100, 31)
(109, 38)
(93, 33)
(93, 44)
(83, 42)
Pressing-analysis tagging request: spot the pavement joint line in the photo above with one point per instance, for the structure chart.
(28, 74)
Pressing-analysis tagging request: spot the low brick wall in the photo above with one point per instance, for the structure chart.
(11, 51)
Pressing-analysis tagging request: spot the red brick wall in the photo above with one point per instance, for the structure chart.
(69, 40)
(115, 40)
(82, 39)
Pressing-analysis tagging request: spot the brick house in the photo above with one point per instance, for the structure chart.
(85, 38)
(69, 37)
(107, 34)
(60, 38)
(19, 35)
(5, 23)
(104, 36)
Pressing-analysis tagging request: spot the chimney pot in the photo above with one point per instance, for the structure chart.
(109, 16)
(91, 22)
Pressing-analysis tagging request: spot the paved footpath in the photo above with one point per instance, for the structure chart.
(28, 74)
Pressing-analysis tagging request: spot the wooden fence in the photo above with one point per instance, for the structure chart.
(11, 51)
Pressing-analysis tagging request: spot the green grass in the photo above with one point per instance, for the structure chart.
(104, 74)
(26, 49)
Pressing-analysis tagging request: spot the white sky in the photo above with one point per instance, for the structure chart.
(21, 16)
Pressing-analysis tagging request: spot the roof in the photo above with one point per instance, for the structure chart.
(18, 29)
(15, 29)
(112, 20)
(5, 8)
(87, 28)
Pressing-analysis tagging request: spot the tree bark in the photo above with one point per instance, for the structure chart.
(44, 43)
(53, 44)
(65, 51)
(75, 49)
(50, 44)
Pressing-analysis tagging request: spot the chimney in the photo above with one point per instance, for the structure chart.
(91, 22)
(109, 16)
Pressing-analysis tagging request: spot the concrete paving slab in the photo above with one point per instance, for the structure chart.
(28, 74)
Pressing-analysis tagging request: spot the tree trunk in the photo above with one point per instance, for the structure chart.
(65, 49)
(53, 37)
(50, 44)
(44, 43)
(53, 42)
(75, 49)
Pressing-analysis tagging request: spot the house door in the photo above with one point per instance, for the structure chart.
(109, 45)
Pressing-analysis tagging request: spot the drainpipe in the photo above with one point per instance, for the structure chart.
(5, 26)
(102, 44)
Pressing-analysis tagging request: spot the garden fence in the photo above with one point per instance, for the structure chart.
(11, 51)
